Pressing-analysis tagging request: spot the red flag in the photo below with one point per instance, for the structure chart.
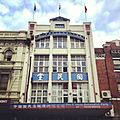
(85, 9)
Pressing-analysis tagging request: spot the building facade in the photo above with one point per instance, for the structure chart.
(14, 60)
(108, 68)
(50, 72)
(63, 68)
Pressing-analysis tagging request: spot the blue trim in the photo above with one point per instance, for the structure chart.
(59, 33)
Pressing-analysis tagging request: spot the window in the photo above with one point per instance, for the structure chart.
(78, 63)
(4, 81)
(59, 26)
(43, 43)
(60, 92)
(41, 63)
(8, 55)
(75, 43)
(80, 92)
(60, 42)
(118, 87)
(39, 92)
(59, 63)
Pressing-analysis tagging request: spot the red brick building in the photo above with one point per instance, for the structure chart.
(108, 67)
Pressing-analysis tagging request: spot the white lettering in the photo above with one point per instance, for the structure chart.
(3, 101)
(60, 76)
(79, 77)
(40, 76)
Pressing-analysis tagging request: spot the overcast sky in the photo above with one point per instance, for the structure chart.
(104, 15)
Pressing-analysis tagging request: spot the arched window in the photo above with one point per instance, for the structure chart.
(8, 55)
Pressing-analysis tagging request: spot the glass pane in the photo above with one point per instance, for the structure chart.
(72, 45)
(54, 45)
(64, 69)
(38, 99)
(44, 99)
(41, 63)
(40, 86)
(78, 63)
(54, 63)
(37, 44)
(59, 69)
(33, 93)
(60, 93)
(54, 69)
(73, 69)
(83, 69)
(35, 63)
(34, 86)
(42, 45)
(64, 63)
(33, 99)
(39, 93)
(82, 44)
(45, 93)
(54, 92)
(45, 86)
(47, 45)
(60, 63)
(78, 69)
(64, 45)
(46, 69)
(83, 63)
(60, 99)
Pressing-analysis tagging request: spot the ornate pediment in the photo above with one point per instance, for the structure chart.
(59, 18)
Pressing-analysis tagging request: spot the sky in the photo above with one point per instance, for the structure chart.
(103, 14)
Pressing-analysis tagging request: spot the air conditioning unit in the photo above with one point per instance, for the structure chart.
(106, 94)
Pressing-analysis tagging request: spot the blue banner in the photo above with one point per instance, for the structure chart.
(79, 76)
(59, 76)
(61, 105)
(40, 76)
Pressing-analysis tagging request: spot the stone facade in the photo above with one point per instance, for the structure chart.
(14, 63)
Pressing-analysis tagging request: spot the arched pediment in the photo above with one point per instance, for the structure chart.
(48, 34)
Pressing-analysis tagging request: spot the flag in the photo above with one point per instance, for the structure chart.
(59, 6)
(85, 9)
(34, 7)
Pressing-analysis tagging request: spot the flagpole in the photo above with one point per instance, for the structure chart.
(86, 17)
(33, 15)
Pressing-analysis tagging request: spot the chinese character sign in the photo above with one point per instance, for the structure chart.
(79, 76)
(40, 76)
(59, 76)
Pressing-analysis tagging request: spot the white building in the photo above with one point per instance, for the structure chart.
(63, 68)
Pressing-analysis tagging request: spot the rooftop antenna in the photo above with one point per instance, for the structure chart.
(59, 8)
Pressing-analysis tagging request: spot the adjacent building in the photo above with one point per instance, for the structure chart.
(108, 68)
(14, 63)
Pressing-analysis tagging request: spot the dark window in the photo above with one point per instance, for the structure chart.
(74, 100)
(65, 99)
(8, 55)
(59, 26)
(64, 69)
(4, 81)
